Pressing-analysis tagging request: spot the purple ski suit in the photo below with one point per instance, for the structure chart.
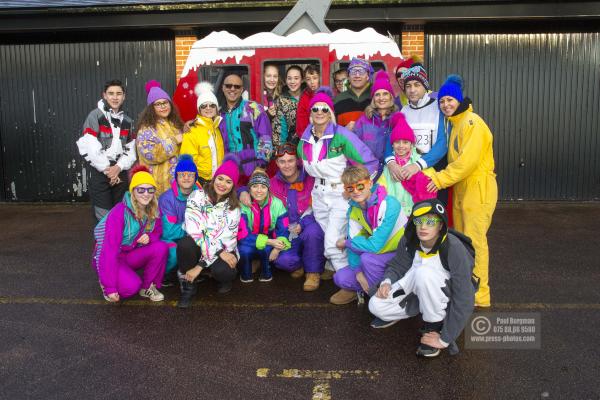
(307, 249)
(121, 255)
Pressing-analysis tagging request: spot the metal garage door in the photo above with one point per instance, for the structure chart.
(540, 94)
(46, 92)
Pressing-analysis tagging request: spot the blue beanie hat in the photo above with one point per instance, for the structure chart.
(452, 87)
(186, 164)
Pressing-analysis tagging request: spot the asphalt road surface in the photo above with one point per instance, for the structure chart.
(60, 340)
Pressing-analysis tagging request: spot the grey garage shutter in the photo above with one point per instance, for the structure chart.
(540, 94)
(46, 92)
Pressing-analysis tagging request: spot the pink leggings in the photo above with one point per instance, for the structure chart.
(152, 258)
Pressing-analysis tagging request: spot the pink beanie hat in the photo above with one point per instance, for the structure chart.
(229, 168)
(401, 130)
(322, 95)
(155, 92)
(382, 81)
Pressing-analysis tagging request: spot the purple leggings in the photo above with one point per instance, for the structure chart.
(371, 265)
(152, 258)
(307, 249)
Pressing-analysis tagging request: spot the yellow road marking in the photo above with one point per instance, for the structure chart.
(319, 374)
(321, 390)
(223, 304)
(321, 378)
(262, 372)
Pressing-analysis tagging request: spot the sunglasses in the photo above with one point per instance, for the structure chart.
(232, 86)
(285, 149)
(357, 72)
(339, 81)
(359, 187)
(142, 190)
(430, 222)
(316, 109)
(186, 174)
(162, 104)
(209, 105)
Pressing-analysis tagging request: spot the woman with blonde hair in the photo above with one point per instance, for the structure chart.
(204, 141)
(326, 149)
(272, 88)
(374, 126)
(127, 239)
(159, 136)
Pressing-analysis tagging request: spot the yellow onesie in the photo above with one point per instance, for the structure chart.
(205, 144)
(475, 193)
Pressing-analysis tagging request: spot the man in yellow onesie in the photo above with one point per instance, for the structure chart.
(471, 170)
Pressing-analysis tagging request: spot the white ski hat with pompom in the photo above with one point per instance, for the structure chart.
(205, 93)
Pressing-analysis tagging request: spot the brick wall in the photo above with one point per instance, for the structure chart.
(413, 40)
(183, 44)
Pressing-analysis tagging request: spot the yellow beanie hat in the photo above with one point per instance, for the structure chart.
(141, 176)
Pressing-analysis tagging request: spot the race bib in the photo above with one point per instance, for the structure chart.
(424, 139)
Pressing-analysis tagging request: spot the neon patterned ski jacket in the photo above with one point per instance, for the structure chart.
(214, 228)
(376, 229)
(328, 157)
(261, 222)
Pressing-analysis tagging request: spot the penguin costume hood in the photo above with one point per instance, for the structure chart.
(430, 206)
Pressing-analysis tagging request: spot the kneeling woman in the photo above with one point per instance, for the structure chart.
(263, 229)
(212, 217)
(128, 238)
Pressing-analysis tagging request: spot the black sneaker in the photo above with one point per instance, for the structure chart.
(266, 278)
(380, 324)
(427, 351)
(224, 287)
(170, 279)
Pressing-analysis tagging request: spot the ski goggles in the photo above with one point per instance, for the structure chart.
(323, 109)
(142, 190)
(427, 221)
(186, 174)
(359, 187)
(284, 149)
(357, 71)
(209, 105)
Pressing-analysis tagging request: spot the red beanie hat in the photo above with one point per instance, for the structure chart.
(408, 62)
(401, 130)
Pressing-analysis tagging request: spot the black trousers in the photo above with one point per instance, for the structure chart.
(188, 254)
(442, 195)
(103, 196)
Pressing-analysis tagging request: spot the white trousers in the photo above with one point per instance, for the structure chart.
(425, 279)
(330, 210)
